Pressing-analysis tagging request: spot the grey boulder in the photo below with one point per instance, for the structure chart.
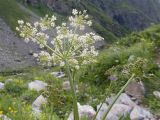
(123, 99)
(37, 85)
(58, 74)
(156, 94)
(1, 85)
(136, 90)
(117, 111)
(139, 113)
(36, 105)
(84, 111)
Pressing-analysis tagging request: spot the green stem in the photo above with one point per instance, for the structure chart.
(119, 93)
(47, 46)
(104, 99)
(76, 114)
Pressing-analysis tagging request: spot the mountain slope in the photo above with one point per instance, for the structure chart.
(112, 18)
(14, 52)
(132, 14)
(10, 11)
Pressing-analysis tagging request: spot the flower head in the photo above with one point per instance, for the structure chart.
(68, 43)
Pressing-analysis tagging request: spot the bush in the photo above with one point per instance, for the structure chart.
(114, 56)
(15, 88)
(59, 100)
(29, 96)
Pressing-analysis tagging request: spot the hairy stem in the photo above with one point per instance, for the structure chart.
(101, 104)
(117, 96)
(75, 109)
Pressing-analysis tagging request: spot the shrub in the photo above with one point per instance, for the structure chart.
(15, 88)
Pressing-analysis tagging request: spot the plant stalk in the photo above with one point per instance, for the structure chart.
(117, 96)
(104, 99)
(75, 109)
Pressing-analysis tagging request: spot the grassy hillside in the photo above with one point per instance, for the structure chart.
(112, 60)
(10, 11)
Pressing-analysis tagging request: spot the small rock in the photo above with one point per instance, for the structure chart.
(117, 111)
(139, 113)
(100, 44)
(1, 85)
(136, 90)
(66, 85)
(131, 58)
(113, 78)
(30, 52)
(3, 117)
(123, 99)
(58, 74)
(36, 105)
(37, 85)
(17, 60)
(102, 111)
(156, 94)
(8, 80)
(84, 111)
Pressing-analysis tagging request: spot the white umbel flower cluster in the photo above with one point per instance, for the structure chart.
(79, 19)
(67, 46)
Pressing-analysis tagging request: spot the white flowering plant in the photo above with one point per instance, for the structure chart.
(67, 45)
(68, 48)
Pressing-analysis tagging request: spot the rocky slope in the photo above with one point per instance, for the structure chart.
(131, 14)
(14, 52)
(116, 17)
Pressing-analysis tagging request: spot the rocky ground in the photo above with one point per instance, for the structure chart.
(14, 52)
(128, 104)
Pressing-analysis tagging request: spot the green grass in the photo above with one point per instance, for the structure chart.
(142, 45)
(39, 9)
(152, 84)
(11, 12)
(124, 5)
(107, 35)
(93, 82)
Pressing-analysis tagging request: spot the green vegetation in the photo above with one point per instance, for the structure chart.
(39, 9)
(12, 13)
(94, 83)
(112, 60)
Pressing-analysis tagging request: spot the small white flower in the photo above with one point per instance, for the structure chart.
(62, 64)
(36, 24)
(35, 55)
(63, 24)
(89, 23)
(20, 22)
(52, 24)
(74, 12)
(53, 18)
(28, 24)
(26, 40)
(17, 28)
(77, 67)
(86, 17)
